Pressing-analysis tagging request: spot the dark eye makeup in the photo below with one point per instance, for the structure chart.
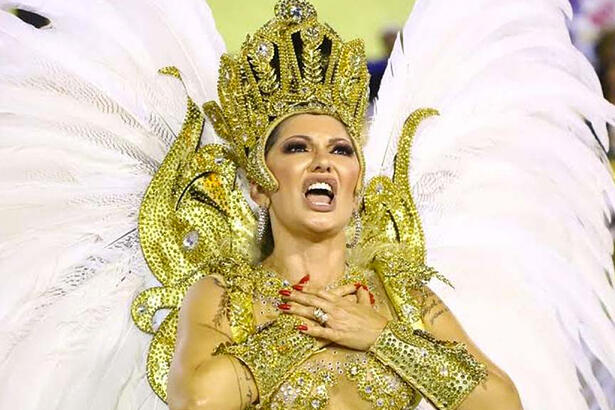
(294, 145)
(343, 149)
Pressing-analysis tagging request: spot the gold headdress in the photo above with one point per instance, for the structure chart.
(292, 64)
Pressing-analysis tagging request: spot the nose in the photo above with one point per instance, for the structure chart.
(321, 162)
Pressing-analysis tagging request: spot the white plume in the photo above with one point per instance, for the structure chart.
(513, 187)
(85, 121)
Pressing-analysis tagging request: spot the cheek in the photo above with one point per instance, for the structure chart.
(350, 177)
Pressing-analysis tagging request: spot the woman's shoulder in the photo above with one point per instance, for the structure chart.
(203, 298)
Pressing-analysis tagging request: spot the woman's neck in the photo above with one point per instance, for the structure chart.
(294, 257)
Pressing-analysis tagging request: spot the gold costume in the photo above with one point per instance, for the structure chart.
(195, 221)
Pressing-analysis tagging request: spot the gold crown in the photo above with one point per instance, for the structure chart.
(293, 64)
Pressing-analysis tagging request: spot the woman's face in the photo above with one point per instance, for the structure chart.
(314, 162)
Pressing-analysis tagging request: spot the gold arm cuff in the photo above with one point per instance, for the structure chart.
(272, 354)
(444, 372)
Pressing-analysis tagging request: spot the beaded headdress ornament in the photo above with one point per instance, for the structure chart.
(293, 64)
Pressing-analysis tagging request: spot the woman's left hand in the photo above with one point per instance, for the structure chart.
(352, 322)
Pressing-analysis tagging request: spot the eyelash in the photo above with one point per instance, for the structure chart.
(342, 149)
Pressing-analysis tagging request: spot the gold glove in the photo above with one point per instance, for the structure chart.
(444, 372)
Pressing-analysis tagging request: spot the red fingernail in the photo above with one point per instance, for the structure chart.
(304, 279)
(285, 292)
(364, 287)
(372, 299)
(298, 287)
(357, 285)
(302, 327)
(284, 306)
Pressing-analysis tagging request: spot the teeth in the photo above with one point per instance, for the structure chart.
(321, 185)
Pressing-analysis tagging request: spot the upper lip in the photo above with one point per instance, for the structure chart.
(314, 179)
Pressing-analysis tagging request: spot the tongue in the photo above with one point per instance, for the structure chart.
(318, 198)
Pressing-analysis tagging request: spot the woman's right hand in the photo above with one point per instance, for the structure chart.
(347, 292)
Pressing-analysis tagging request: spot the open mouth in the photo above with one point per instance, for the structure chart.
(320, 192)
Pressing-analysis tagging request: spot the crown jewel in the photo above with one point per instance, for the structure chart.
(293, 64)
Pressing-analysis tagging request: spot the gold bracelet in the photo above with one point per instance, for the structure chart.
(272, 353)
(444, 372)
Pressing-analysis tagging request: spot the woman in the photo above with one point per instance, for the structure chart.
(310, 252)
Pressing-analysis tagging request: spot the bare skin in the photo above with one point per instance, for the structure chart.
(309, 239)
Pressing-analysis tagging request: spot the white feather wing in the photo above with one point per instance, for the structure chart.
(85, 121)
(513, 187)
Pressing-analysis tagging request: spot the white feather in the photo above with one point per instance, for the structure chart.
(85, 121)
(514, 191)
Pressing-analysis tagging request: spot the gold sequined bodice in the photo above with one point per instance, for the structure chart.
(337, 377)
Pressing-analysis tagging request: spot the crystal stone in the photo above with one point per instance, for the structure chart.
(141, 309)
(443, 371)
(315, 404)
(219, 160)
(263, 49)
(296, 13)
(190, 240)
(321, 390)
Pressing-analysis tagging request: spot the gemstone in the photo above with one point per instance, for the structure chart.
(423, 353)
(443, 371)
(379, 188)
(263, 49)
(380, 402)
(190, 240)
(296, 13)
(354, 371)
(285, 283)
(321, 390)
(408, 309)
(312, 33)
(219, 160)
(300, 381)
(141, 309)
(368, 389)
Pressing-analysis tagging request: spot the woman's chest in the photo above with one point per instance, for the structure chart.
(339, 378)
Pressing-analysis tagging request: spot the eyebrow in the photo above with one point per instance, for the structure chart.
(331, 141)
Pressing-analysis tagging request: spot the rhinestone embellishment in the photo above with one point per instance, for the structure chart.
(296, 13)
(190, 240)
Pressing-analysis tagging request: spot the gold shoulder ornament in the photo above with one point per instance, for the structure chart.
(195, 220)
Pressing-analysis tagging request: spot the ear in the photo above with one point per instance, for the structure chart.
(258, 195)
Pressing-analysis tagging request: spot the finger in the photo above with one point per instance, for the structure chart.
(310, 300)
(305, 312)
(321, 293)
(351, 298)
(363, 296)
(318, 332)
(345, 290)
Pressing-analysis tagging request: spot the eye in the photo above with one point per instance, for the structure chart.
(295, 146)
(343, 149)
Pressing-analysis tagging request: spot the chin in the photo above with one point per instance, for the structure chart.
(324, 224)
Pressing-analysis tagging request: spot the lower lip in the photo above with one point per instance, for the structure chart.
(320, 207)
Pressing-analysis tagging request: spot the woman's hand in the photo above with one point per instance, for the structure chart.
(352, 322)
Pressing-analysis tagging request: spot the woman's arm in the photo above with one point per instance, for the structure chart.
(197, 378)
(498, 391)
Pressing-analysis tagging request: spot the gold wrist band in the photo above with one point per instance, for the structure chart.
(444, 372)
(272, 354)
